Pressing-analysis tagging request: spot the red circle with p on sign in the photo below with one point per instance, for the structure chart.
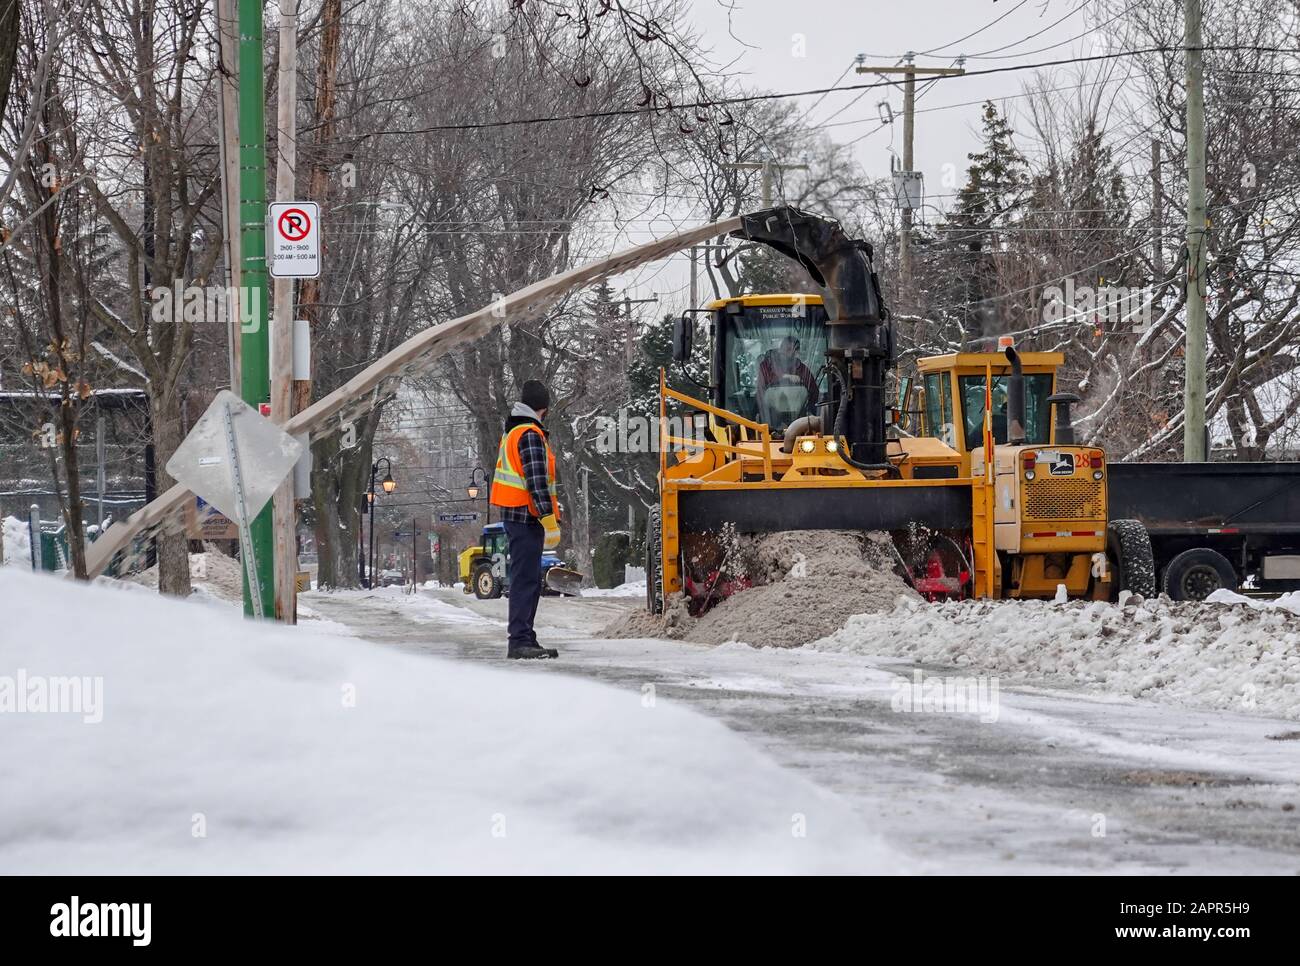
(293, 224)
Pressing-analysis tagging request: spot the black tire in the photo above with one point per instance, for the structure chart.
(486, 585)
(1129, 548)
(1197, 573)
(654, 597)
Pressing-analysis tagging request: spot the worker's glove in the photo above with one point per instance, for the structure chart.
(552, 527)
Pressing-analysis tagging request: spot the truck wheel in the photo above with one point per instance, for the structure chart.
(1197, 573)
(1129, 548)
(654, 598)
(486, 585)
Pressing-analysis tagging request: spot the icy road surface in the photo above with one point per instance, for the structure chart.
(1060, 782)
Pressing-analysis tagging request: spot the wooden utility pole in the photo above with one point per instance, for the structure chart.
(309, 294)
(909, 70)
(1194, 448)
(769, 168)
(695, 280)
(1157, 216)
(285, 522)
(586, 516)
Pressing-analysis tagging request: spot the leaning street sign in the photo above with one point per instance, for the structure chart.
(295, 239)
(234, 458)
(457, 517)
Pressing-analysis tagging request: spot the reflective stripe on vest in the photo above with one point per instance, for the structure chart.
(509, 488)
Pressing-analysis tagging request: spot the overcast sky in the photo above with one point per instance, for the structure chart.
(835, 31)
(792, 45)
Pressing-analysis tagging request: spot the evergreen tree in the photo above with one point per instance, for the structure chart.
(992, 198)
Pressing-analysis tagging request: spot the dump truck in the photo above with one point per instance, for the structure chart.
(1216, 525)
(999, 501)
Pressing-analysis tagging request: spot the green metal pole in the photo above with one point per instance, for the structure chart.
(255, 365)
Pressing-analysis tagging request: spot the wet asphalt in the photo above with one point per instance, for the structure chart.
(1063, 782)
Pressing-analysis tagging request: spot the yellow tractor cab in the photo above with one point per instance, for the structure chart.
(767, 366)
(1051, 506)
(947, 397)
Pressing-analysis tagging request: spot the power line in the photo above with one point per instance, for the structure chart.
(777, 96)
(1039, 33)
(845, 73)
(974, 33)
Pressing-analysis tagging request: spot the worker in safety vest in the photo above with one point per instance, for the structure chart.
(523, 486)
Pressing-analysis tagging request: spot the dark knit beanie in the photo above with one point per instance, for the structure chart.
(535, 396)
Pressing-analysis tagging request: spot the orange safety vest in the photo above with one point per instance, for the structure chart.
(509, 488)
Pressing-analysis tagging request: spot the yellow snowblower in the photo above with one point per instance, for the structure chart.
(983, 493)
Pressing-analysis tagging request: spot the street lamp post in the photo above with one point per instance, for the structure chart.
(477, 480)
(389, 485)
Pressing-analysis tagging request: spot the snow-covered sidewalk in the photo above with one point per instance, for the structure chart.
(230, 746)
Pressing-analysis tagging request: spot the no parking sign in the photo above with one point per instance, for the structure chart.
(295, 239)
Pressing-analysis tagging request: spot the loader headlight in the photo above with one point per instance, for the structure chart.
(832, 446)
(1029, 474)
(1096, 474)
(807, 445)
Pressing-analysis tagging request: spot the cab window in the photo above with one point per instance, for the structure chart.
(772, 361)
(938, 408)
(1038, 386)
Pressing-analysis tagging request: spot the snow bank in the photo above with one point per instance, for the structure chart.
(17, 543)
(212, 573)
(1288, 602)
(1200, 654)
(229, 746)
(634, 589)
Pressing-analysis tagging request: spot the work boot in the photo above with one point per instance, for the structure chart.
(531, 653)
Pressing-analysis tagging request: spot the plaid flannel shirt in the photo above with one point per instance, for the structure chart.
(532, 453)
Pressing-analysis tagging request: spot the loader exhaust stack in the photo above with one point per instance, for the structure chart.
(1015, 399)
(1063, 430)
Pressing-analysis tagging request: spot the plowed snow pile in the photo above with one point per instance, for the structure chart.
(1231, 655)
(17, 543)
(212, 572)
(807, 584)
